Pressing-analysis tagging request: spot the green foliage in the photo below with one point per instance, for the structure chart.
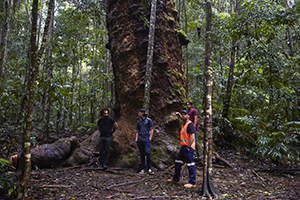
(278, 146)
(6, 179)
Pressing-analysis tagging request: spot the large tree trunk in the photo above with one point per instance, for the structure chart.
(207, 186)
(128, 42)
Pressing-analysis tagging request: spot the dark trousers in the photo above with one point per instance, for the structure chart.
(145, 149)
(185, 156)
(104, 150)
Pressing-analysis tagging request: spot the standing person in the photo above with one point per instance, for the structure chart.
(107, 126)
(143, 137)
(194, 118)
(187, 142)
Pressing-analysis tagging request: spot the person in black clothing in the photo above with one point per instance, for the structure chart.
(106, 126)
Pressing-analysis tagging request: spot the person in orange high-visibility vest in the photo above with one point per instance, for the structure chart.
(186, 153)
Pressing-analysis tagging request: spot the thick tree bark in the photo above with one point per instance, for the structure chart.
(128, 42)
(150, 55)
(207, 187)
(34, 67)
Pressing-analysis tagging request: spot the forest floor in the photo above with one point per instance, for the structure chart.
(243, 181)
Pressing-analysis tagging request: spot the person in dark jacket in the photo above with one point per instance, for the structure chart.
(106, 126)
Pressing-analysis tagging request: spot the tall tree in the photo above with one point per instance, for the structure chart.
(36, 55)
(150, 56)
(208, 188)
(128, 46)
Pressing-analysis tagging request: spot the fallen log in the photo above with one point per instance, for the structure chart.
(52, 155)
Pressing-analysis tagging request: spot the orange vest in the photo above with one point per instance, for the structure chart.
(185, 137)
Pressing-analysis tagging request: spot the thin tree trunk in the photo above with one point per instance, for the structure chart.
(65, 101)
(26, 156)
(59, 112)
(186, 47)
(227, 98)
(27, 11)
(208, 188)
(150, 55)
(79, 93)
(49, 64)
(4, 60)
(106, 58)
(226, 102)
(4, 37)
(2, 6)
(72, 89)
(179, 12)
(40, 21)
(289, 32)
(33, 72)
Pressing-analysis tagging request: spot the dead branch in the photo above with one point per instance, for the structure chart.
(256, 174)
(169, 168)
(110, 170)
(158, 197)
(93, 161)
(128, 183)
(222, 159)
(55, 186)
(156, 186)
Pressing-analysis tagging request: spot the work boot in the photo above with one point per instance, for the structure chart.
(188, 185)
(172, 181)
